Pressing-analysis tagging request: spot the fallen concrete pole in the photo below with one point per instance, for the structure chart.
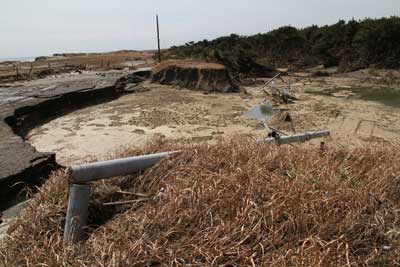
(77, 213)
(112, 168)
(81, 175)
(295, 138)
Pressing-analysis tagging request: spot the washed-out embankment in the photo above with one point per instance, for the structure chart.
(201, 76)
(22, 164)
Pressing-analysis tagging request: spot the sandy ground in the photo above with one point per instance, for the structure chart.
(353, 122)
(162, 112)
(171, 113)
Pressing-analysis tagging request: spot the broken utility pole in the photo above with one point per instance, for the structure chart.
(281, 140)
(158, 40)
(80, 177)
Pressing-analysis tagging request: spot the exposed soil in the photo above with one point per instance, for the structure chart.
(208, 77)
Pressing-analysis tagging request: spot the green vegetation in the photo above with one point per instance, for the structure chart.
(350, 45)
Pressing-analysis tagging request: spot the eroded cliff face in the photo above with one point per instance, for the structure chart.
(200, 76)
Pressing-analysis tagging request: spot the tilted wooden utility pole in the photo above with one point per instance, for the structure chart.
(158, 40)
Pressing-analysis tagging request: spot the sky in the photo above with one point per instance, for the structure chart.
(43, 27)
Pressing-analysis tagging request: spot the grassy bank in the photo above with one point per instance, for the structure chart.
(234, 203)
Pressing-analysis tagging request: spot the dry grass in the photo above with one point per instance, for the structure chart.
(234, 203)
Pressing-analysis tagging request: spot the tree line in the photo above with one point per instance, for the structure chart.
(349, 45)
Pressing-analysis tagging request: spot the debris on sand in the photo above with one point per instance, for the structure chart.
(285, 117)
(202, 76)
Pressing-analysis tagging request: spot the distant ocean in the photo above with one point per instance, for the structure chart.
(24, 59)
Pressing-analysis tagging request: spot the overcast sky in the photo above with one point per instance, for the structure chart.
(44, 27)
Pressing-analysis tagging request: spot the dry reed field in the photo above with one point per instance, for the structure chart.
(233, 203)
